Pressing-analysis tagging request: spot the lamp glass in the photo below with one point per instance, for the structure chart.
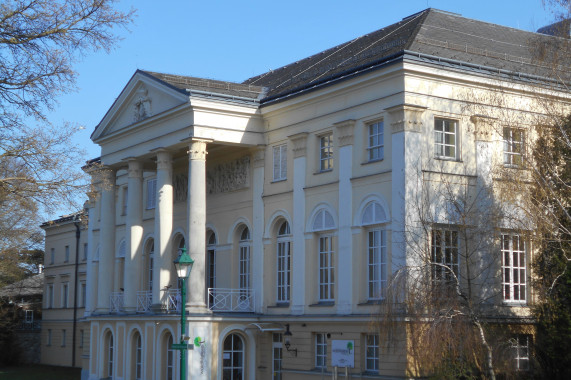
(183, 264)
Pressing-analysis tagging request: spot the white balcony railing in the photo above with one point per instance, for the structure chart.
(231, 300)
(171, 301)
(116, 302)
(144, 301)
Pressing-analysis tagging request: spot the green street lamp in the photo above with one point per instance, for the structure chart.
(183, 265)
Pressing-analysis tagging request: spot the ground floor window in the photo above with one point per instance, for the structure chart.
(520, 349)
(372, 353)
(320, 351)
(277, 357)
(233, 358)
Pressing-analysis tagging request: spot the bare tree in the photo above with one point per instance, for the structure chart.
(40, 40)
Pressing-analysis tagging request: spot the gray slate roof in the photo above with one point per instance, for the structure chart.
(432, 35)
(31, 286)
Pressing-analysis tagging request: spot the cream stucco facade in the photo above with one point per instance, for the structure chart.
(293, 210)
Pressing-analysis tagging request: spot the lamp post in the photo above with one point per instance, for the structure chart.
(183, 266)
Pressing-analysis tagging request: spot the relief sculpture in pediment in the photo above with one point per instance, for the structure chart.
(142, 104)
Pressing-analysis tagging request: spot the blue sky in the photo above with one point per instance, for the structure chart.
(234, 40)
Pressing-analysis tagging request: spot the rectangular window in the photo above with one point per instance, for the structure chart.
(64, 294)
(372, 352)
(125, 199)
(513, 147)
(49, 338)
(50, 297)
(376, 143)
(244, 274)
(277, 356)
(63, 337)
(320, 351)
(520, 349)
(83, 292)
(377, 263)
(444, 251)
(85, 251)
(513, 268)
(280, 162)
(445, 138)
(326, 269)
(151, 193)
(67, 253)
(52, 255)
(326, 152)
(81, 338)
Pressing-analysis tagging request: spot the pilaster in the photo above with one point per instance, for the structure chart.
(258, 226)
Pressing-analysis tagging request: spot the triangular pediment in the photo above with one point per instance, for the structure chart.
(143, 97)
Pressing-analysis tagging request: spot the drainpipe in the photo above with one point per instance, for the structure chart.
(77, 223)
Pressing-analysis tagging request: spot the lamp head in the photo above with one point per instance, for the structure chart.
(183, 264)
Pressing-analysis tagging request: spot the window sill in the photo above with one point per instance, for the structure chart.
(279, 306)
(372, 302)
(279, 180)
(372, 161)
(323, 304)
(444, 158)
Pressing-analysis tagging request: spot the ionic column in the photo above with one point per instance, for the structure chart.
(134, 240)
(345, 259)
(299, 142)
(163, 226)
(107, 240)
(196, 243)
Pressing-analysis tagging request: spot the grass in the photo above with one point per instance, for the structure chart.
(44, 372)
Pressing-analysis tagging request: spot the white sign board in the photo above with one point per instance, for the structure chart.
(343, 353)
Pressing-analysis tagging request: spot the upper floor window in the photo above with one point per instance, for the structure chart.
(326, 152)
(444, 252)
(376, 141)
(513, 268)
(50, 296)
(513, 147)
(85, 251)
(52, 255)
(283, 263)
(280, 162)
(211, 266)
(66, 253)
(446, 138)
(125, 199)
(151, 193)
(244, 265)
(374, 214)
(64, 294)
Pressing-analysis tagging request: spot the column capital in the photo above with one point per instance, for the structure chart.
(164, 159)
(135, 169)
(406, 117)
(345, 131)
(258, 156)
(483, 127)
(299, 141)
(197, 149)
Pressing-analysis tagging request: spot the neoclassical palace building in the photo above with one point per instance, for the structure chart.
(291, 192)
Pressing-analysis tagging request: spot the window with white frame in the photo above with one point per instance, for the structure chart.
(170, 352)
(520, 351)
(320, 350)
(326, 152)
(283, 260)
(373, 215)
(50, 296)
(52, 255)
(151, 193)
(513, 268)
(376, 141)
(326, 269)
(233, 358)
(81, 338)
(64, 294)
(444, 255)
(138, 358)
(372, 352)
(150, 264)
(66, 253)
(125, 199)
(277, 356)
(513, 147)
(244, 264)
(83, 293)
(109, 355)
(280, 162)
(63, 337)
(446, 138)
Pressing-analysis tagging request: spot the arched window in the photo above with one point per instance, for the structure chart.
(323, 221)
(233, 358)
(373, 215)
(211, 266)
(170, 359)
(178, 244)
(167, 358)
(137, 357)
(244, 260)
(283, 260)
(150, 256)
(108, 357)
